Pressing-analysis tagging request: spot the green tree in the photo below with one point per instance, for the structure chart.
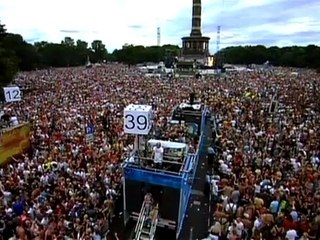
(69, 51)
(8, 59)
(16, 54)
(68, 41)
(3, 31)
(82, 52)
(294, 56)
(99, 52)
(26, 54)
(131, 54)
(8, 67)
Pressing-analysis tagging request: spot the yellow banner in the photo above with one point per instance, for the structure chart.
(14, 141)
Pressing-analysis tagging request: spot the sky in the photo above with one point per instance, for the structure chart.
(119, 22)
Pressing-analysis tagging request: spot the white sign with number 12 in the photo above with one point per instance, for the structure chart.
(12, 94)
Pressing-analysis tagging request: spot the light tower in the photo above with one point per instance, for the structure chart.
(218, 38)
(158, 37)
(218, 54)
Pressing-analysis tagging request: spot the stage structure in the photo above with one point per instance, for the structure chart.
(171, 186)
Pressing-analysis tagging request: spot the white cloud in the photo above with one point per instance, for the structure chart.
(294, 25)
(110, 20)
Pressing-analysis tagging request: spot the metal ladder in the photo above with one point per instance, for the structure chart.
(142, 230)
(140, 222)
(154, 223)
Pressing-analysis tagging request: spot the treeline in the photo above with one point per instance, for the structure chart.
(16, 54)
(294, 56)
(131, 54)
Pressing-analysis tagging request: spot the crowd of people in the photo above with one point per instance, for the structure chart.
(67, 186)
(267, 182)
(267, 148)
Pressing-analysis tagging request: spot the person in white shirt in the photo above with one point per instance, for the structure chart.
(14, 121)
(215, 188)
(223, 167)
(239, 226)
(158, 155)
(6, 195)
(291, 234)
(215, 231)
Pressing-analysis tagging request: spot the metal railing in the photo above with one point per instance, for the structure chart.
(173, 162)
(140, 219)
(142, 227)
(189, 162)
(154, 224)
(201, 150)
(139, 166)
(139, 232)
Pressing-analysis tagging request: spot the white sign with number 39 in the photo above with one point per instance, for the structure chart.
(12, 94)
(137, 119)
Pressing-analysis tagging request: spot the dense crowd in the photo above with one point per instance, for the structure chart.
(267, 146)
(267, 183)
(68, 185)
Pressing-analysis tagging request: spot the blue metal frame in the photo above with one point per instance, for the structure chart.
(189, 175)
(153, 177)
(183, 181)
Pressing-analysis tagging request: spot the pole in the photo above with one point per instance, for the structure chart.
(191, 234)
(125, 216)
(136, 143)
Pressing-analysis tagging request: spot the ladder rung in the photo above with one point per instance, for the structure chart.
(145, 232)
(144, 238)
